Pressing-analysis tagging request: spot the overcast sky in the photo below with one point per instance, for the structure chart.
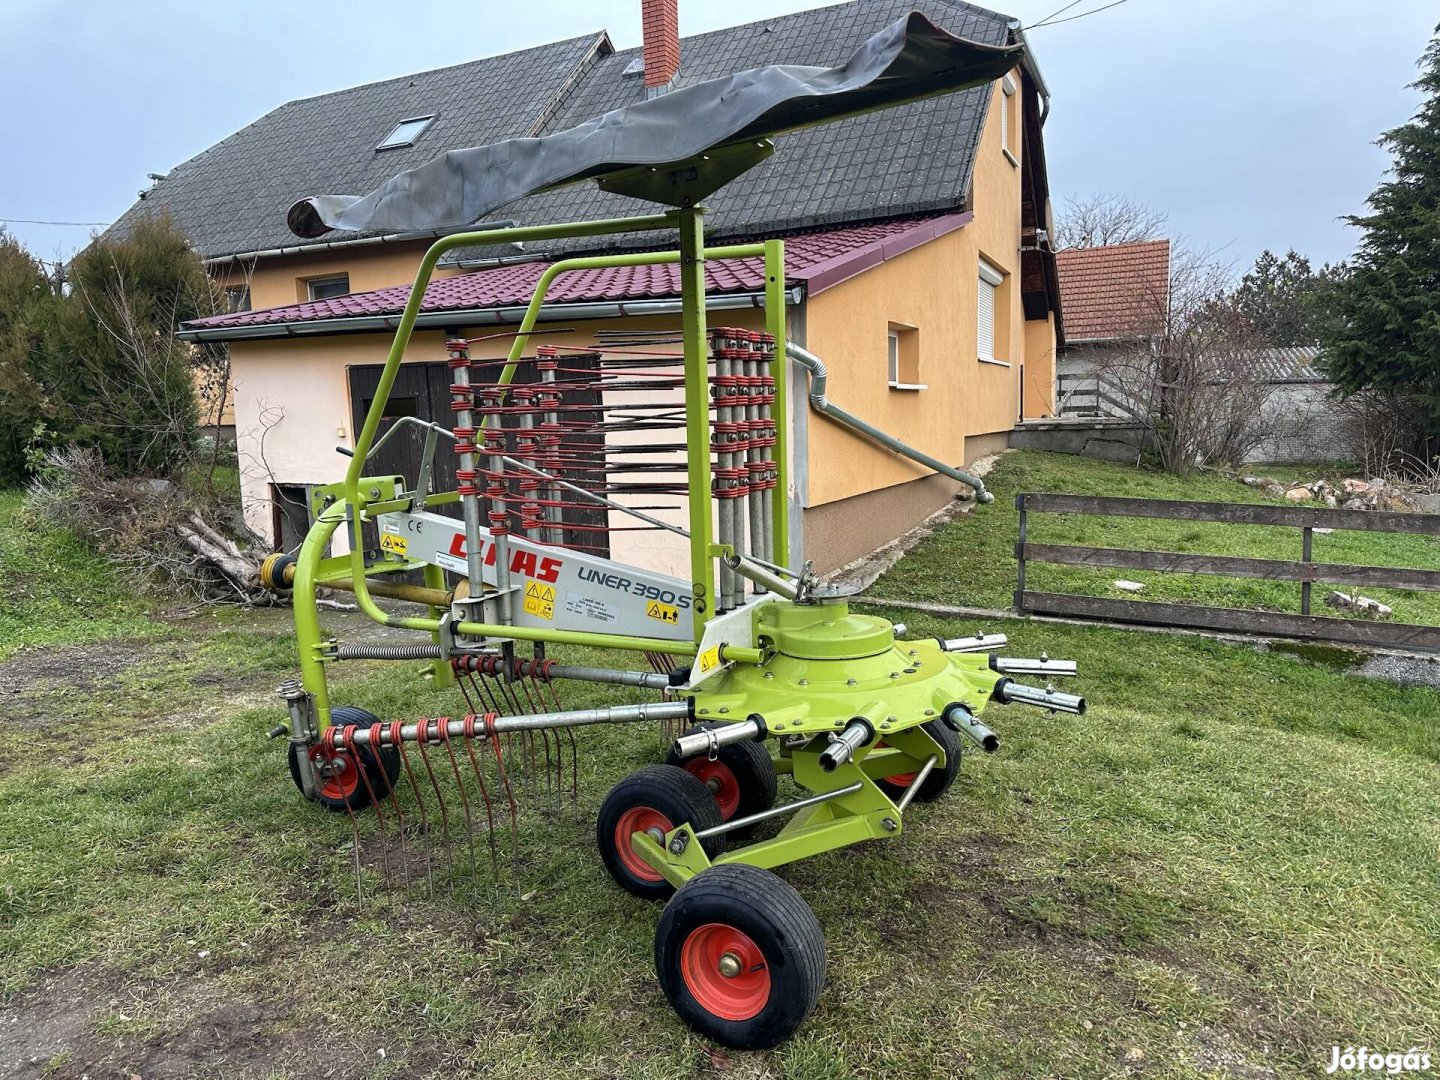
(1250, 122)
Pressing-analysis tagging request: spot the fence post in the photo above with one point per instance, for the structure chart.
(1305, 542)
(1020, 557)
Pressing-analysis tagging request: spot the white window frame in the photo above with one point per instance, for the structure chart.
(394, 141)
(988, 283)
(328, 279)
(1007, 92)
(892, 345)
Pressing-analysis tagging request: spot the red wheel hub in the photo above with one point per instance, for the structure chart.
(725, 971)
(721, 781)
(904, 779)
(341, 777)
(638, 819)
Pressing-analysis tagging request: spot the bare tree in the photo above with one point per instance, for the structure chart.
(1100, 220)
(1193, 374)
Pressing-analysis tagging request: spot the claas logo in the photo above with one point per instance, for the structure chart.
(526, 563)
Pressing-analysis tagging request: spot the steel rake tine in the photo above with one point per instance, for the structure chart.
(549, 788)
(509, 797)
(485, 795)
(516, 708)
(377, 798)
(574, 769)
(395, 797)
(465, 803)
(424, 813)
(354, 842)
(483, 688)
(348, 736)
(421, 736)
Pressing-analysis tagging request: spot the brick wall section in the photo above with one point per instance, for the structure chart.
(661, 22)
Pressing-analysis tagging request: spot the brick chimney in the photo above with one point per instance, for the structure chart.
(660, 20)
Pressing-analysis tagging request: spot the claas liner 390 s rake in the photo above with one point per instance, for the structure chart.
(760, 670)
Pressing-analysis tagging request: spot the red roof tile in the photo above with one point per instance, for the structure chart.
(1114, 291)
(819, 260)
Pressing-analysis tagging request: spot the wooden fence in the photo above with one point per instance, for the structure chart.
(1304, 571)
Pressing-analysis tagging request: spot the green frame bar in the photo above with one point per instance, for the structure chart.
(351, 508)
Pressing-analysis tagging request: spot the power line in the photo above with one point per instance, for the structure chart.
(1052, 15)
(1072, 18)
(36, 221)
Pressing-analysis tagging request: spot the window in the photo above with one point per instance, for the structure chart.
(903, 357)
(985, 316)
(406, 132)
(237, 298)
(324, 288)
(1007, 105)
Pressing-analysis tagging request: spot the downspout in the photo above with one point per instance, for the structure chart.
(818, 401)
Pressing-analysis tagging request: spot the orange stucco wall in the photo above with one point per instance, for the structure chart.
(275, 282)
(934, 289)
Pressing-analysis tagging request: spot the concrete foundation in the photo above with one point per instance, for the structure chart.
(1108, 440)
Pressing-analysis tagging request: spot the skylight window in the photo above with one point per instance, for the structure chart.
(405, 132)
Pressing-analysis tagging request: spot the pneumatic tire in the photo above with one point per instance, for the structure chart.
(741, 777)
(657, 797)
(347, 790)
(940, 778)
(740, 956)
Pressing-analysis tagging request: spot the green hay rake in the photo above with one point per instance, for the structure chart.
(761, 671)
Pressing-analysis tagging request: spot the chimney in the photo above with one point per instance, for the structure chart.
(660, 21)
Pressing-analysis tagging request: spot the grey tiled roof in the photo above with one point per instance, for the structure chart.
(1292, 363)
(913, 159)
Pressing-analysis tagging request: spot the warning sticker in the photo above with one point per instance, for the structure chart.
(540, 600)
(709, 660)
(666, 613)
(396, 545)
(591, 607)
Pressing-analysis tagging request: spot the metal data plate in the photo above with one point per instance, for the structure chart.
(556, 588)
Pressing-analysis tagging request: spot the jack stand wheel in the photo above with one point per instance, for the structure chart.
(740, 956)
(741, 778)
(940, 778)
(344, 789)
(655, 799)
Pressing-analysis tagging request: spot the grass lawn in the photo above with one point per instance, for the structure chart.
(1226, 867)
(972, 561)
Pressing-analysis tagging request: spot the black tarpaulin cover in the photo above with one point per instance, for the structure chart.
(912, 58)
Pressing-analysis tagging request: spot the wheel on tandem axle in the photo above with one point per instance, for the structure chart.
(344, 788)
(741, 777)
(655, 800)
(740, 956)
(940, 778)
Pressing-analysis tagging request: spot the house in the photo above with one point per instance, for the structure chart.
(1114, 296)
(1300, 417)
(918, 264)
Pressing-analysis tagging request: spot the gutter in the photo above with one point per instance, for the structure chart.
(492, 316)
(818, 401)
(1027, 61)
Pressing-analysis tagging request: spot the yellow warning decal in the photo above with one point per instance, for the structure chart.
(666, 613)
(709, 660)
(396, 545)
(540, 600)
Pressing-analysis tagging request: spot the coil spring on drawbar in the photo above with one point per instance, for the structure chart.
(387, 652)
